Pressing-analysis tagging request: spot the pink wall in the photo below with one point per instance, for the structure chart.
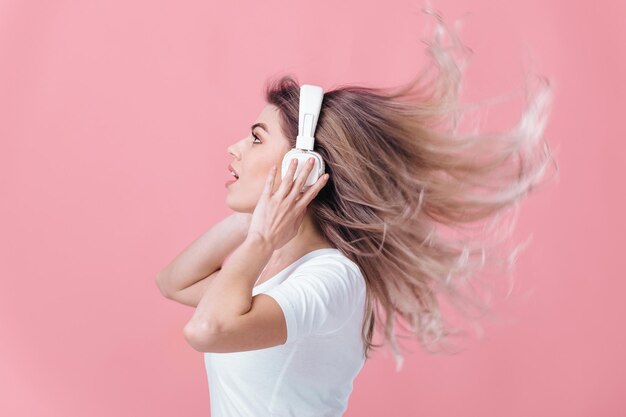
(114, 122)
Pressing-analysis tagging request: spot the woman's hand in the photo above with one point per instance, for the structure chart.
(278, 215)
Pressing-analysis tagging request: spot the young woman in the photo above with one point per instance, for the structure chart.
(288, 289)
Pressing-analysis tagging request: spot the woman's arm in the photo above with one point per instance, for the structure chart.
(192, 295)
(204, 256)
(229, 295)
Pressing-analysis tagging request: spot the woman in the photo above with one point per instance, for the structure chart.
(288, 288)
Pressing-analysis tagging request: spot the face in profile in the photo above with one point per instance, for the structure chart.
(252, 159)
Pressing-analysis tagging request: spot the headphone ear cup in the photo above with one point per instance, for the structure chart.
(316, 172)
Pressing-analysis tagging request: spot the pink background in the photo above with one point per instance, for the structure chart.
(114, 122)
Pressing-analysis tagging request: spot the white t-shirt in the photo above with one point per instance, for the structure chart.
(322, 296)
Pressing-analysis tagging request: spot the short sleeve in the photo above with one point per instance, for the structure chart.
(319, 297)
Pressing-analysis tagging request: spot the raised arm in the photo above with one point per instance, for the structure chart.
(203, 256)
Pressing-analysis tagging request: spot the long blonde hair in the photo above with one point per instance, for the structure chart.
(400, 170)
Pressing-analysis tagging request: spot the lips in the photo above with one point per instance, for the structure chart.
(231, 169)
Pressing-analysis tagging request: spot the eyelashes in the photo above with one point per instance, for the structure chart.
(255, 137)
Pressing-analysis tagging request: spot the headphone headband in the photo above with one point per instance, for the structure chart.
(311, 97)
(310, 105)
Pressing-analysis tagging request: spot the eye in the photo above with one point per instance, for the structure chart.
(255, 138)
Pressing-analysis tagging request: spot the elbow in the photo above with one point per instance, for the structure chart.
(200, 335)
(160, 283)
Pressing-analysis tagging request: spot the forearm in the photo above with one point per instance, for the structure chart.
(230, 292)
(204, 255)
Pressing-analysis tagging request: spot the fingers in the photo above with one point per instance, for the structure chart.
(287, 181)
(301, 179)
(310, 194)
(290, 189)
(269, 182)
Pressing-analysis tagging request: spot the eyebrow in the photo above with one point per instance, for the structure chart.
(261, 125)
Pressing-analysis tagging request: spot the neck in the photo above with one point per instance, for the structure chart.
(306, 240)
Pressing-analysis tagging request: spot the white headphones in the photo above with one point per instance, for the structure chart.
(311, 97)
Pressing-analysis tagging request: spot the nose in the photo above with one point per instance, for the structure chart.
(231, 150)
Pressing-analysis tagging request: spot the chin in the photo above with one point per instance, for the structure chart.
(239, 206)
